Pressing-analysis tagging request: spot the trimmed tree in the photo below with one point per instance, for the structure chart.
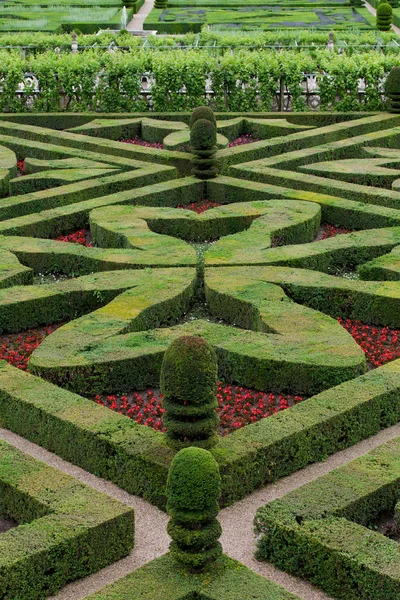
(392, 89)
(384, 14)
(189, 378)
(202, 112)
(193, 490)
(203, 139)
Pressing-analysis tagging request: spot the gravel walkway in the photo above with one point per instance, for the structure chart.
(237, 539)
(136, 24)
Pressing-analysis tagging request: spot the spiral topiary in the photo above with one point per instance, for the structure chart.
(392, 89)
(189, 377)
(203, 139)
(193, 490)
(384, 14)
(202, 112)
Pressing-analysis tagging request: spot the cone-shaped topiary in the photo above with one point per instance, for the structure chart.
(384, 14)
(203, 139)
(392, 89)
(189, 377)
(202, 112)
(193, 490)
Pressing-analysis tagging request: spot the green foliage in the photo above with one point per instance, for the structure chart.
(193, 490)
(164, 579)
(319, 530)
(244, 81)
(203, 138)
(384, 14)
(202, 112)
(60, 520)
(392, 89)
(189, 375)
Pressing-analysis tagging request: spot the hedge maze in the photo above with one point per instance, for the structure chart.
(271, 288)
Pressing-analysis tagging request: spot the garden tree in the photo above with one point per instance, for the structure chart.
(189, 378)
(384, 14)
(193, 490)
(392, 89)
(203, 139)
(202, 112)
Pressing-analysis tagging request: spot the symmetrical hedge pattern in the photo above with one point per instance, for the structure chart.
(273, 291)
(66, 530)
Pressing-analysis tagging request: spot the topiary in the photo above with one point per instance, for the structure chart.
(357, 2)
(189, 377)
(202, 112)
(193, 490)
(384, 14)
(392, 89)
(203, 139)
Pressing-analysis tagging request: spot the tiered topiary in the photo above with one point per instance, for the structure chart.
(203, 140)
(393, 3)
(189, 378)
(202, 112)
(384, 14)
(193, 490)
(392, 89)
(160, 4)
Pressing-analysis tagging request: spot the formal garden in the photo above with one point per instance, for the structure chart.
(199, 300)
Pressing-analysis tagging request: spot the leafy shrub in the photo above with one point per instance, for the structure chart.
(384, 14)
(193, 489)
(203, 138)
(392, 89)
(202, 112)
(189, 379)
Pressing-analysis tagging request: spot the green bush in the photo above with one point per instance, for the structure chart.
(189, 377)
(392, 89)
(202, 112)
(384, 14)
(193, 489)
(203, 139)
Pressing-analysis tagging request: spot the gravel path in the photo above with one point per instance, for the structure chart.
(136, 24)
(237, 539)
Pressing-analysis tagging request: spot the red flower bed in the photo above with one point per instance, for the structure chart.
(82, 237)
(237, 406)
(200, 207)
(380, 344)
(328, 231)
(139, 142)
(246, 138)
(21, 167)
(16, 348)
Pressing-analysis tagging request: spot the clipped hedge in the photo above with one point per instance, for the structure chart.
(318, 531)
(60, 521)
(137, 459)
(162, 579)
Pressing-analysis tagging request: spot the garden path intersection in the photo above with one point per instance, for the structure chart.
(253, 275)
